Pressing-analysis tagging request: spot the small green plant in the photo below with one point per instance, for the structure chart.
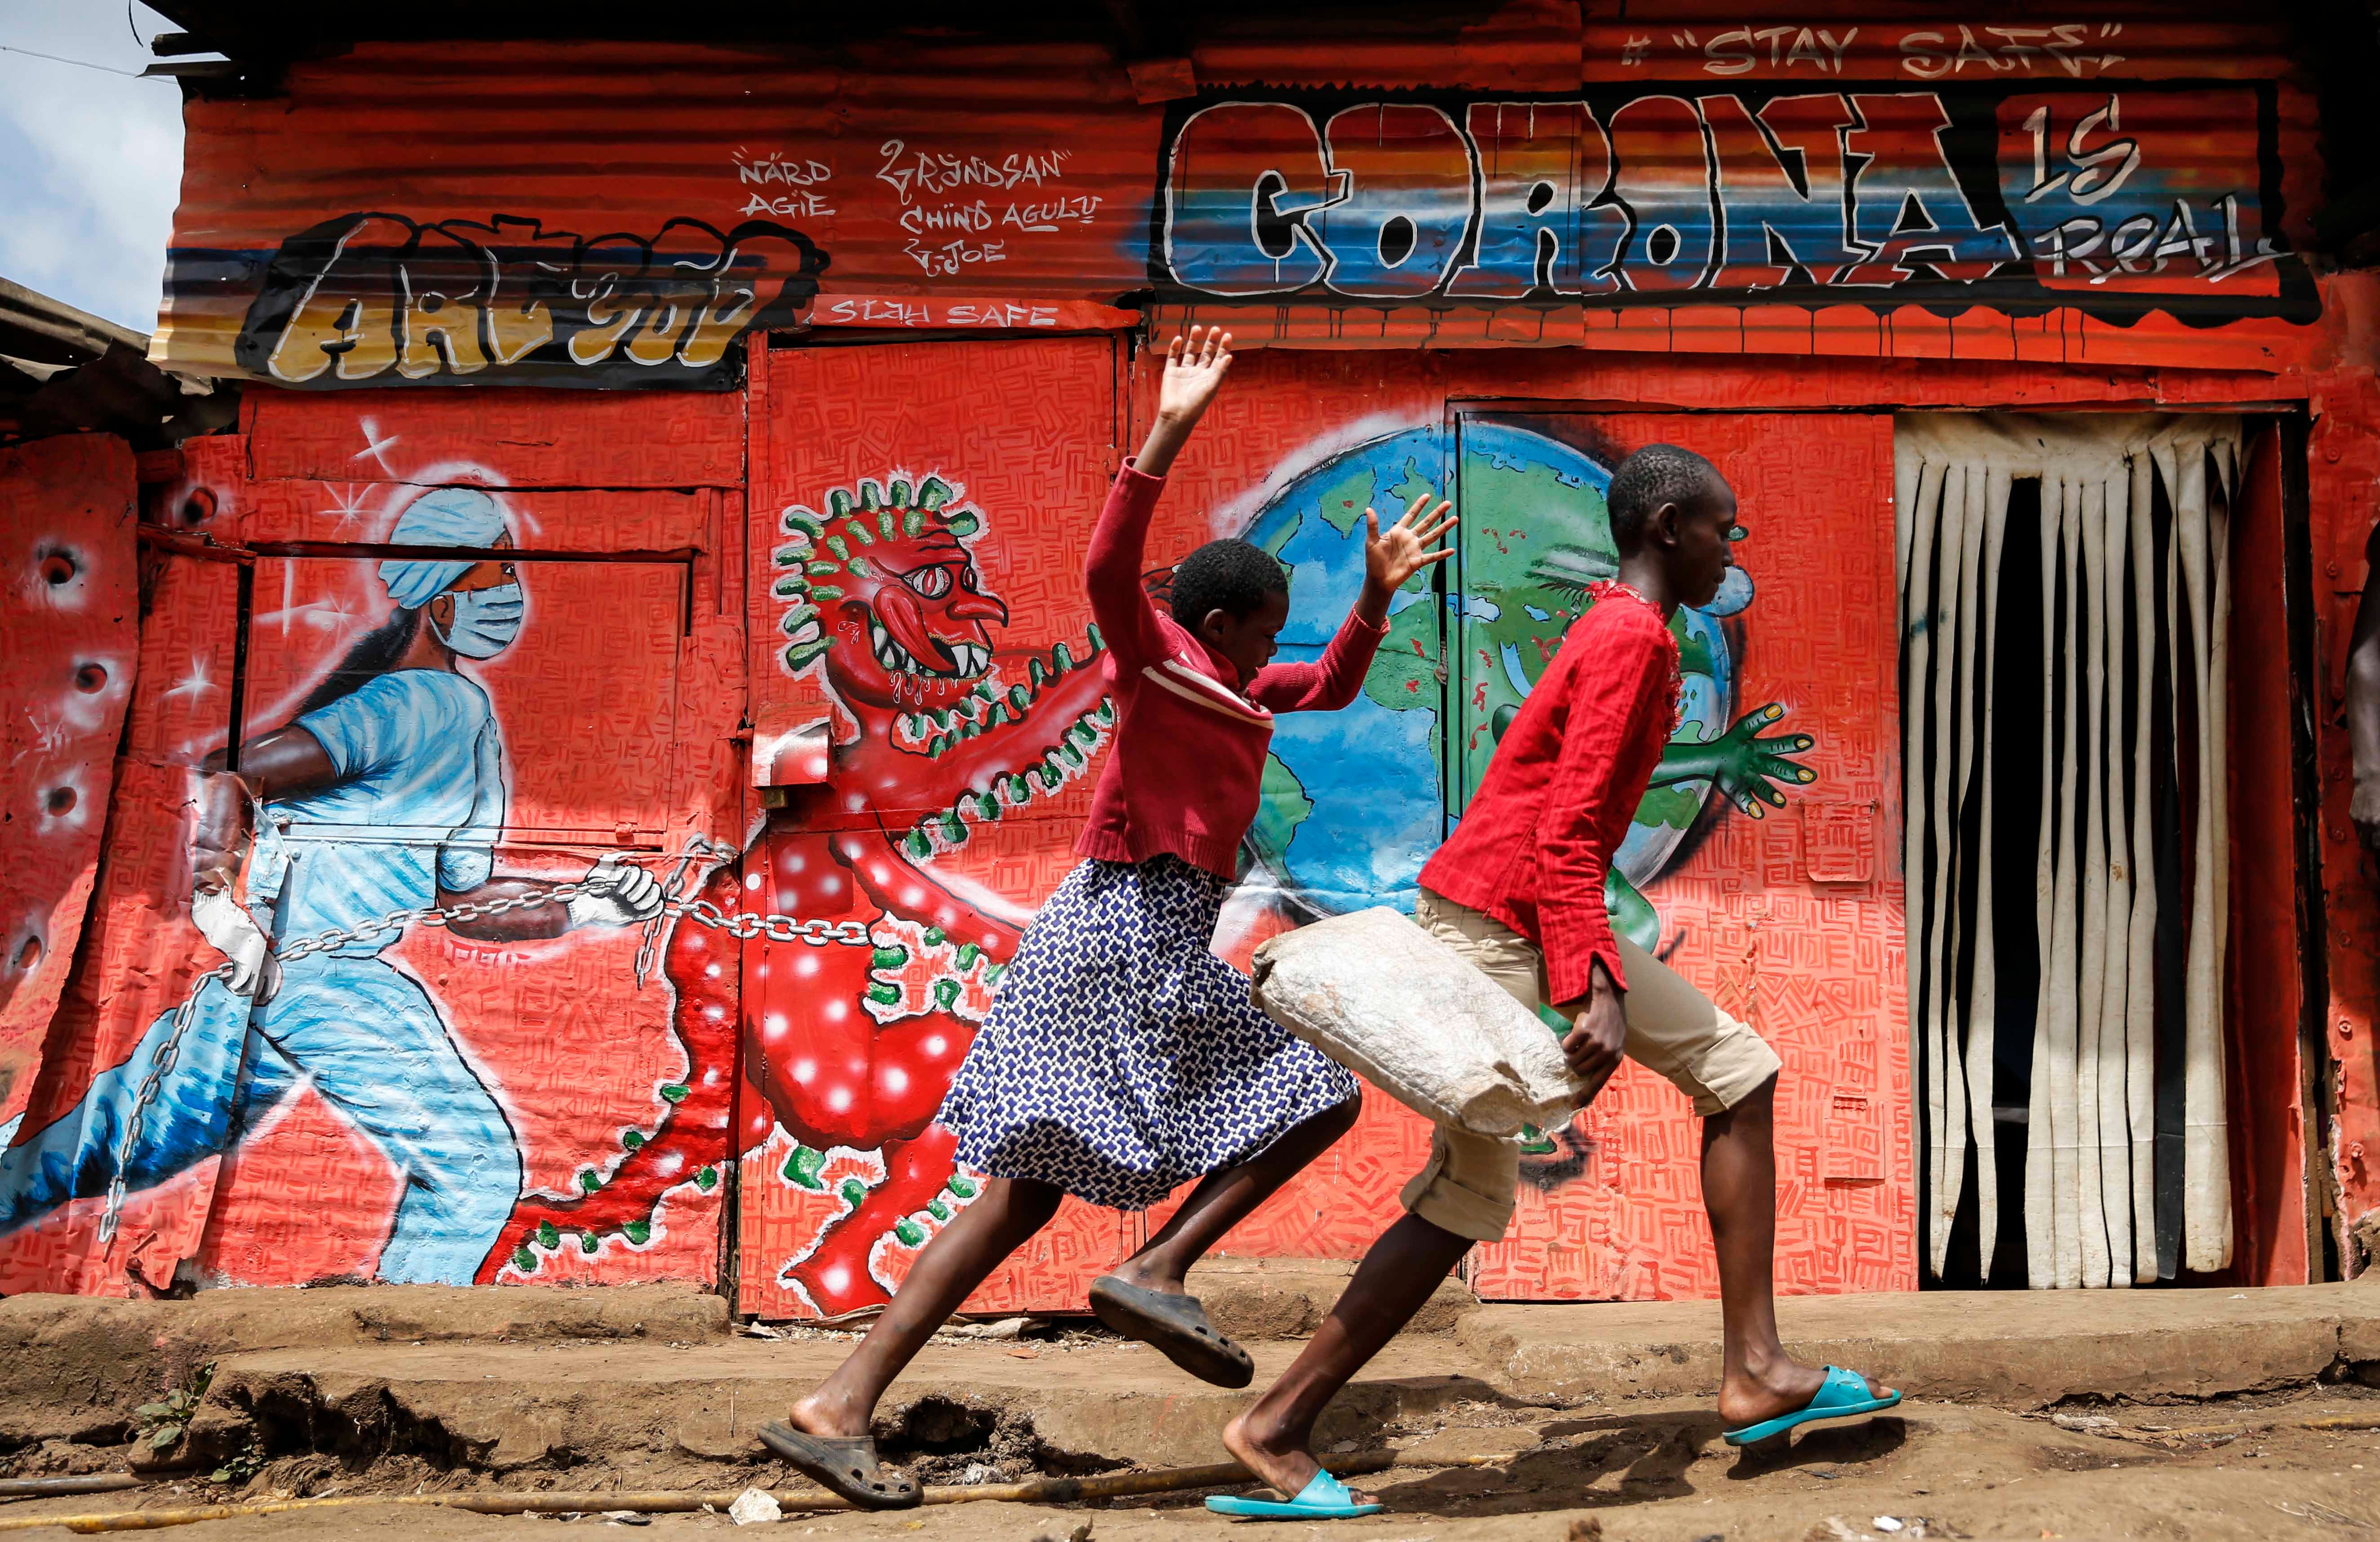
(163, 1422)
(245, 1465)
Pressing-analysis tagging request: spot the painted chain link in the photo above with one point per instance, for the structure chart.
(742, 925)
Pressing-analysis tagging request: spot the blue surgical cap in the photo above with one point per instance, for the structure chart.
(443, 517)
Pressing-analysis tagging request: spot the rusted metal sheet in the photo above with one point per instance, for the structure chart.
(68, 630)
(411, 216)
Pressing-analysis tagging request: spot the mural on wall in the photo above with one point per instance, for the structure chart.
(1879, 197)
(1932, 191)
(380, 299)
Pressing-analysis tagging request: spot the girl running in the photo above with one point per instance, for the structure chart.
(1121, 1058)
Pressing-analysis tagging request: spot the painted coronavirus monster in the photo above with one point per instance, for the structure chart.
(849, 1049)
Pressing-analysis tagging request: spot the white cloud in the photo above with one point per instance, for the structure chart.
(90, 164)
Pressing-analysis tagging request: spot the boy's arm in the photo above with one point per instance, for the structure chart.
(1616, 697)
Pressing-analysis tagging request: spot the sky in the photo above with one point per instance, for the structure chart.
(90, 164)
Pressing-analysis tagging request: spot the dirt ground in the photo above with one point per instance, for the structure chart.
(2301, 1465)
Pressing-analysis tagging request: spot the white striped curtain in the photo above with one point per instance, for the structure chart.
(2092, 1160)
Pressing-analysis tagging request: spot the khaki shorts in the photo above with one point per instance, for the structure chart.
(1672, 1029)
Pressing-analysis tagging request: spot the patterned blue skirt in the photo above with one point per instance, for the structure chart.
(1122, 1059)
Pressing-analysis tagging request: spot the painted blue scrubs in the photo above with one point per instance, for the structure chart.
(418, 805)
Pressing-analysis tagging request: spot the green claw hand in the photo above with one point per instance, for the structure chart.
(1742, 765)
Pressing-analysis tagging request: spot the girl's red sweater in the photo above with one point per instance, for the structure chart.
(1187, 768)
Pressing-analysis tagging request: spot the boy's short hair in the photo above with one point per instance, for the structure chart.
(1232, 576)
(1656, 474)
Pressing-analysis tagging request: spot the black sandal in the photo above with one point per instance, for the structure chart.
(846, 1465)
(1175, 1326)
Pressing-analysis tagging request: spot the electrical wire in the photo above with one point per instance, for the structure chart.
(83, 64)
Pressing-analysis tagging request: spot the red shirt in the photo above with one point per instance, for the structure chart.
(1186, 771)
(1532, 848)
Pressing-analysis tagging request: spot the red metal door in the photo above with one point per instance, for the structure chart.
(926, 700)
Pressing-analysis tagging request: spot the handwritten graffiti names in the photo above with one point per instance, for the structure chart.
(784, 186)
(949, 230)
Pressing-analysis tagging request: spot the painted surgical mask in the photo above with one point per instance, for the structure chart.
(486, 620)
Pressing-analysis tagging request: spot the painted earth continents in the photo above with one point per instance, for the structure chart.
(1354, 804)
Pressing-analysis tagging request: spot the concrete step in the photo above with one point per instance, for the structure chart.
(2017, 1349)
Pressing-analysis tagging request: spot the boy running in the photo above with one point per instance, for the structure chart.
(1518, 890)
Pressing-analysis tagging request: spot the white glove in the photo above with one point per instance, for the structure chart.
(225, 923)
(613, 893)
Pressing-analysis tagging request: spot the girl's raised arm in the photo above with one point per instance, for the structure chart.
(1195, 367)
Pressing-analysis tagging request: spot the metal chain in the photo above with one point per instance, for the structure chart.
(702, 912)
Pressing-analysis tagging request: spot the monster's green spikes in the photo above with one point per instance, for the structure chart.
(591, 1180)
(1019, 789)
(908, 1232)
(1098, 642)
(840, 548)
(946, 994)
(886, 524)
(802, 655)
(1052, 777)
(871, 495)
(884, 996)
(1061, 658)
(858, 529)
(852, 1191)
(676, 1092)
(936, 1209)
(707, 1180)
(1105, 711)
(913, 524)
(942, 717)
(1035, 672)
(985, 806)
(997, 715)
(1082, 733)
(914, 725)
(962, 524)
(793, 556)
(938, 745)
(970, 728)
(826, 591)
(799, 520)
(797, 617)
(805, 1168)
(587, 1242)
(524, 1260)
(968, 954)
(993, 972)
(838, 503)
(1073, 756)
(859, 568)
(932, 493)
(889, 958)
(548, 1235)
(899, 487)
(638, 1232)
(821, 570)
(982, 690)
(792, 588)
(935, 936)
(1019, 699)
(915, 844)
(959, 1187)
(633, 1141)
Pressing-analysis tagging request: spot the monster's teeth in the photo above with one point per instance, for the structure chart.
(1062, 657)
(1035, 672)
(1098, 644)
(1019, 699)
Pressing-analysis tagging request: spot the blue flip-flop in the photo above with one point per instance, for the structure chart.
(1843, 1396)
(1325, 1499)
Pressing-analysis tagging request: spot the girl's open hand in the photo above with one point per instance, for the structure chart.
(1394, 555)
(1195, 367)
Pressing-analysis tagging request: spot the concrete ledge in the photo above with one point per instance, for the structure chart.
(77, 1365)
(1287, 1298)
(2019, 1349)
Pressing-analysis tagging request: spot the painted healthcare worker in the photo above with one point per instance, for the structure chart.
(385, 792)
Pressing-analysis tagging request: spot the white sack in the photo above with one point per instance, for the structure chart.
(1389, 1001)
